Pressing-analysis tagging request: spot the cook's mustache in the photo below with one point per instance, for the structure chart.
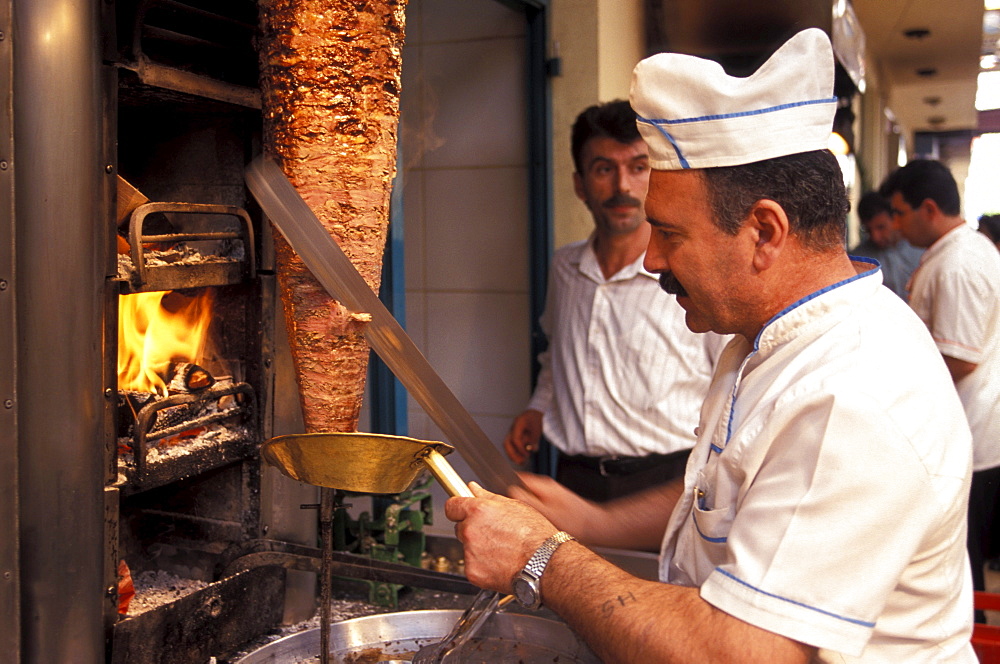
(621, 200)
(670, 284)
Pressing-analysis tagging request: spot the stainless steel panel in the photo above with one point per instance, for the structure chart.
(9, 601)
(61, 252)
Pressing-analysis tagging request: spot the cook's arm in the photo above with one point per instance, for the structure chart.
(523, 437)
(622, 618)
(627, 619)
(958, 369)
(633, 522)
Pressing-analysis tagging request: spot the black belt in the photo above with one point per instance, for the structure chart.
(623, 465)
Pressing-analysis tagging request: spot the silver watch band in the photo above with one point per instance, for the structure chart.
(536, 565)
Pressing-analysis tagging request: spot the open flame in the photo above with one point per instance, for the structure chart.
(156, 329)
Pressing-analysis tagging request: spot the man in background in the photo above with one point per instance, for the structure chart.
(884, 243)
(989, 225)
(956, 292)
(623, 379)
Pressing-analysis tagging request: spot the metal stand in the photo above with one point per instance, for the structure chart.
(327, 507)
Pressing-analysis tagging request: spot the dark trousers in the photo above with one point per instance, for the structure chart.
(602, 479)
(983, 536)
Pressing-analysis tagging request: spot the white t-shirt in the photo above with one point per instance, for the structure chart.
(956, 292)
(623, 375)
(826, 497)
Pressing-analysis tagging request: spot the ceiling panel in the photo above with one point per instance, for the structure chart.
(951, 48)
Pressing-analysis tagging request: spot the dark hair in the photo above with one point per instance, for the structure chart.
(614, 119)
(922, 179)
(989, 225)
(871, 205)
(808, 186)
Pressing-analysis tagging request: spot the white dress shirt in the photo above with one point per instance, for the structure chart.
(622, 375)
(826, 497)
(956, 292)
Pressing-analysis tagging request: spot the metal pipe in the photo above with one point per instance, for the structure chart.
(61, 238)
(327, 507)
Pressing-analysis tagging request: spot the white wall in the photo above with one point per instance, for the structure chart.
(599, 42)
(465, 177)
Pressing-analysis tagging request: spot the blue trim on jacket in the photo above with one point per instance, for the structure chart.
(786, 310)
(855, 621)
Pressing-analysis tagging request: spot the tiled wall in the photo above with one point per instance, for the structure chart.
(465, 208)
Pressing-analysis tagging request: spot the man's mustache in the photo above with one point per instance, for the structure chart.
(671, 285)
(621, 200)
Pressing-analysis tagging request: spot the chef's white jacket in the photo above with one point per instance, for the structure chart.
(826, 496)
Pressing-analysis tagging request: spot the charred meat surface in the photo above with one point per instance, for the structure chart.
(330, 81)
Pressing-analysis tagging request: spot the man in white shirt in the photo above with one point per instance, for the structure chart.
(956, 292)
(622, 380)
(822, 513)
(897, 257)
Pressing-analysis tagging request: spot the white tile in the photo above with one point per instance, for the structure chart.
(418, 133)
(477, 229)
(412, 30)
(414, 230)
(496, 426)
(419, 425)
(479, 344)
(411, 105)
(474, 102)
(416, 318)
(458, 20)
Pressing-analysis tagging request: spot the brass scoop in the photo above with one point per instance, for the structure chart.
(362, 462)
(377, 463)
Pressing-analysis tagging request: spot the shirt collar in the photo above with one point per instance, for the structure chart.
(813, 308)
(946, 240)
(589, 267)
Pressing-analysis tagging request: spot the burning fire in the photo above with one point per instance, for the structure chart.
(155, 329)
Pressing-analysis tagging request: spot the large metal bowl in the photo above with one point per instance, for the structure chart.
(395, 637)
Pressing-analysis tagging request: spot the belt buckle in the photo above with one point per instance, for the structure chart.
(602, 461)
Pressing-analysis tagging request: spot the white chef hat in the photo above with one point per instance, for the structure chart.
(694, 115)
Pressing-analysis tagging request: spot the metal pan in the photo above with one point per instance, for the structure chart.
(362, 462)
(395, 637)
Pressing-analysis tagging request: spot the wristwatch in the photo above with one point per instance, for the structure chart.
(527, 582)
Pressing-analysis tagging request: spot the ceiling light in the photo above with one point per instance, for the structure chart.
(988, 91)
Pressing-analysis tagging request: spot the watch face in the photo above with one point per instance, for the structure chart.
(524, 592)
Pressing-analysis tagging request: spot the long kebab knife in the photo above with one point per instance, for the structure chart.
(323, 256)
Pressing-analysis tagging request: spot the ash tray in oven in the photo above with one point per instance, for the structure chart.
(207, 253)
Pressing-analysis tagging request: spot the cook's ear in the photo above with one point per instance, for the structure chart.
(770, 224)
(578, 186)
(930, 207)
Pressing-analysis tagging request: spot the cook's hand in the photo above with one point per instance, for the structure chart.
(499, 536)
(524, 435)
(565, 509)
